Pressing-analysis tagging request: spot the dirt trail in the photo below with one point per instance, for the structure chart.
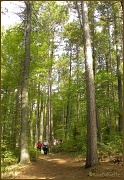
(59, 166)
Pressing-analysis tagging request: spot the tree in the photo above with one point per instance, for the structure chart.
(91, 158)
(117, 32)
(56, 84)
(26, 67)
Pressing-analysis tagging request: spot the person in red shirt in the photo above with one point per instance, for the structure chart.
(39, 145)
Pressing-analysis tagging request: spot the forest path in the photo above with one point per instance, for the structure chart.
(59, 166)
(55, 166)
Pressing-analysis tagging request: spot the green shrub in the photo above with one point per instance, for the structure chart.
(71, 146)
(111, 148)
(34, 153)
(8, 155)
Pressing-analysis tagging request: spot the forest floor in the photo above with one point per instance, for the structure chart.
(62, 166)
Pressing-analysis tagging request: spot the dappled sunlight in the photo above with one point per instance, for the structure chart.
(59, 161)
(60, 166)
(10, 174)
(46, 178)
(34, 177)
(14, 170)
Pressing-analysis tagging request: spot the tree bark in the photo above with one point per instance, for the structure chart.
(99, 132)
(41, 121)
(119, 89)
(25, 158)
(91, 157)
(49, 120)
(31, 125)
(119, 81)
(68, 113)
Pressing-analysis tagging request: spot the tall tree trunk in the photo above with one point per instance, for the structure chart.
(25, 158)
(68, 114)
(99, 132)
(31, 125)
(41, 121)
(119, 89)
(91, 157)
(49, 121)
(17, 120)
(78, 95)
(36, 129)
(63, 123)
(51, 136)
(117, 36)
(108, 69)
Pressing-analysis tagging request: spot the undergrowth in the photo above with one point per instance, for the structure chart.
(111, 150)
(10, 159)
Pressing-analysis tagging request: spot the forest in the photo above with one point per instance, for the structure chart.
(61, 79)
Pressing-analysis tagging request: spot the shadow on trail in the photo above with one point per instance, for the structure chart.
(53, 167)
(59, 166)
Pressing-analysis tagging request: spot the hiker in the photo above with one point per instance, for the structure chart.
(39, 145)
(54, 142)
(45, 147)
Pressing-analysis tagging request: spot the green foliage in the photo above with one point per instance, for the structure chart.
(116, 142)
(74, 145)
(34, 153)
(9, 155)
(50, 28)
(73, 33)
(111, 148)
